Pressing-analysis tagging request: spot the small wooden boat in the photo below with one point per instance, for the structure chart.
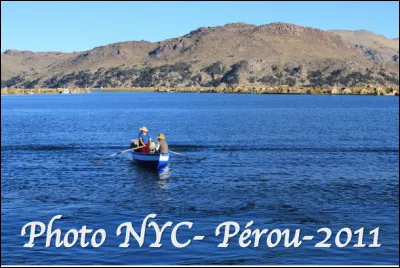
(151, 159)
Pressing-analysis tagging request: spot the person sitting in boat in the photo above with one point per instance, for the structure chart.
(162, 146)
(134, 144)
(144, 140)
(153, 147)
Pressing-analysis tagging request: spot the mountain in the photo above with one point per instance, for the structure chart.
(376, 47)
(28, 62)
(232, 55)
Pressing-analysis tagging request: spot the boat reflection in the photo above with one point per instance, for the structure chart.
(151, 183)
(163, 173)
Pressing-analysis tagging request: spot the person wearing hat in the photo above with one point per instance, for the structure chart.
(162, 147)
(144, 139)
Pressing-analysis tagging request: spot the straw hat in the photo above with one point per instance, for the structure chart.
(144, 129)
(161, 137)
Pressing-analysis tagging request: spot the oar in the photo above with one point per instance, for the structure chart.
(176, 153)
(187, 156)
(124, 151)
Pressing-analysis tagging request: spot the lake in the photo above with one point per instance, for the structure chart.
(283, 161)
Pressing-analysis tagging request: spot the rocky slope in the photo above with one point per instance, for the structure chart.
(376, 47)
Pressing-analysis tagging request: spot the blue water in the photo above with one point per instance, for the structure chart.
(282, 161)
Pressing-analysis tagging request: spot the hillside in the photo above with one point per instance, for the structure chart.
(375, 47)
(225, 56)
(14, 62)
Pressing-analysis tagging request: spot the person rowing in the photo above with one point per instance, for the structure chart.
(144, 140)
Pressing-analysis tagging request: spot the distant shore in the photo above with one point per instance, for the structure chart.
(14, 91)
(388, 91)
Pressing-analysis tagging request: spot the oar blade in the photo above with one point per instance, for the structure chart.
(176, 153)
(124, 151)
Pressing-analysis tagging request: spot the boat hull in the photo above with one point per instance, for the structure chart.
(155, 160)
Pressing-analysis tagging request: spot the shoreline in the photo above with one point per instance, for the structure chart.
(379, 91)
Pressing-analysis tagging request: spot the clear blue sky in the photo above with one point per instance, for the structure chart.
(78, 26)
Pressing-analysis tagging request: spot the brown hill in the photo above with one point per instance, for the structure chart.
(14, 62)
(230, 55)
(375, 47)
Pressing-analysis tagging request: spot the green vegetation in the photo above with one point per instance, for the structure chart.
(12, 81)
(354, 78)
(30, 84)
(389, 78)
(269, 80)
(290, 81)
(217, 68)
(294, 70)
(232, 76)
(214, 75)
(338, 78)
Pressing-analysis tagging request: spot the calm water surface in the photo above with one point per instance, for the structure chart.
(297, 162)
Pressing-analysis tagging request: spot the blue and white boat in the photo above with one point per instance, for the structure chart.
(154, 160)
